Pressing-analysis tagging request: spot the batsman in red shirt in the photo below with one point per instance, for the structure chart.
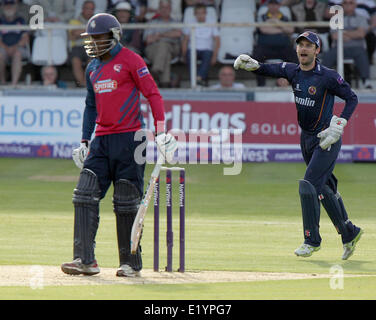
(116, 77)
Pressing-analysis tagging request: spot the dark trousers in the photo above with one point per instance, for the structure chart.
(319, 173)
(111, 158)
(203, 68)
(320, 163)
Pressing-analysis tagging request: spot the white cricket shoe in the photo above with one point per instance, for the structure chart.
(349, 247)
(126, 270)
(306, 250)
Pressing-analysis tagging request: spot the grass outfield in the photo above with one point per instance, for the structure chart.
(249, 222)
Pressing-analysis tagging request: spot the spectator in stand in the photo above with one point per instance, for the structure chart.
(282, 83)
(192, 3)
(130, 38)
(207, 45)
(57, 10)
(310, 10)
(176, 9)
(287, 3)
(367, 9)
(23, 10)
(50, 78)
(100, 6)
(355, 29)
(290, 3)
(226, 78)
(209, 3)
(162, 45)
(78, 57)
(205, 2)
(139, 8)
(274, 42)
(14, 45)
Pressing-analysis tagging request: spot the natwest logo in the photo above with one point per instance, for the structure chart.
(105, 86)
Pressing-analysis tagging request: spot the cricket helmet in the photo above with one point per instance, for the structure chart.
(101, 23)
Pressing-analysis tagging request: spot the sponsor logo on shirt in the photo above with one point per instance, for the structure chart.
(142, 72)
(305, 102)
(312, 90)
(297, 88)
(105, 86)
(118, 67)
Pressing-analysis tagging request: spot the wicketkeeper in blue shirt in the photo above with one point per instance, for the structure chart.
(315, 88)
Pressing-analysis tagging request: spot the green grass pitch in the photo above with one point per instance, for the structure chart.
(248, 222)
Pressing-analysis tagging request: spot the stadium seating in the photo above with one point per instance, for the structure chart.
(351, 73)
(49, 50)
(243, 4)
(236, 40)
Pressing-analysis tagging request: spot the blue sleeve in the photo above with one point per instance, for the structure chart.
(276, 70)
(339, 87)
(90, 112)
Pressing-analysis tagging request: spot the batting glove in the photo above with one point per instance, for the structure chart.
(332, 134)
(79, 155)
(246, 62)
(167, 145)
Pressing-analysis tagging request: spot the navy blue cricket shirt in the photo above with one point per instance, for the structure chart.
(314, 92)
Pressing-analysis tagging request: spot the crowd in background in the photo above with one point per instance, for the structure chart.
(162, 47)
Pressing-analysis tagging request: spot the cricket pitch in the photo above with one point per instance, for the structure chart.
(27, 275)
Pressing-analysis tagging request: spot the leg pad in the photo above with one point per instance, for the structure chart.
(86, 215)
(126, 201)
(311, 213)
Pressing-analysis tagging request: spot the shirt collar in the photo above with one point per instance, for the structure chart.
(115, 50)
(318, 67)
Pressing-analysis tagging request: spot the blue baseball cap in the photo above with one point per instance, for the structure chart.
(311, 37)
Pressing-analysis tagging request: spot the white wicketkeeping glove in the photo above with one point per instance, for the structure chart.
(167, 145)
(246, 62)
(333, 133)
(79, 155)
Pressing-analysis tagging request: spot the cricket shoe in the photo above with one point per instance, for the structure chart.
(76, 267)
(349, 247)
(126, 270)
(306, 250)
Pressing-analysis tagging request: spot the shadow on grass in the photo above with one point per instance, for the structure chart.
(349, 266)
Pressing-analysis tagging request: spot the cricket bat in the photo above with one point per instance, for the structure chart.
(138, 223)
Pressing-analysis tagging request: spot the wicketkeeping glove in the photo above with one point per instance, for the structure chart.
(246, 62)
(332, 134)
(79, 155)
